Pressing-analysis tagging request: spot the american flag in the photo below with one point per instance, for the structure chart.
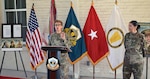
(33, 41)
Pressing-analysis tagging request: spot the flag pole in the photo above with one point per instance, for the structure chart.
(71, 4)
(93, 72)
(35, 71)
(92, 2)
(115, 74)
(33, 6)
(36, 76)
(116, 2)
(73, 71)
(93, 65)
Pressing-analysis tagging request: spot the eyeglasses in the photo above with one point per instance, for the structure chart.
(57, 24)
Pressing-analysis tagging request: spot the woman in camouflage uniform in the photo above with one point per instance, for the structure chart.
(59, 38)
(133, 60)
(147, 39)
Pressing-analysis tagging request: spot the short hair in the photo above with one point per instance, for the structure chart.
(146, 32)
(59, 21)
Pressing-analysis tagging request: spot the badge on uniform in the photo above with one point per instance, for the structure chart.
(73, 33)
(52, 64)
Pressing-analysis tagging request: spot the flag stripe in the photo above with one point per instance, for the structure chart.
(36, 46)
(27, 39)
(39, 43)
(32, 58)
(32, 52)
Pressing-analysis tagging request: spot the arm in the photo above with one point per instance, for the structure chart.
(125, 41)
(143, 45)
(67, 41)
(59, 40)
(51, 41)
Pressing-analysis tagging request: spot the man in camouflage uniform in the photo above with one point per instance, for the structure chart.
(59, 38)
(133, 59)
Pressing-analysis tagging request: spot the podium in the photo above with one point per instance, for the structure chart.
(52, 52)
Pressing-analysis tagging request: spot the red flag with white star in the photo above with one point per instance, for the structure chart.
(95, 39)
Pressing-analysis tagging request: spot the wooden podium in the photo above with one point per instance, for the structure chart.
(52, 52)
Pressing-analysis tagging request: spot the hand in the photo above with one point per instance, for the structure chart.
(62, 35)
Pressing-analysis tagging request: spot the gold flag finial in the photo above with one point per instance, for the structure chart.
(71, 4)
(116, 2)
(33, 5)
(92, 2)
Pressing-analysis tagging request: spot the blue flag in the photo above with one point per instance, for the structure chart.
(73, 30)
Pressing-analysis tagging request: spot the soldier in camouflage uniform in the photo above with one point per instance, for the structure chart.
(133, 60)
(147, 39)
(59, 38)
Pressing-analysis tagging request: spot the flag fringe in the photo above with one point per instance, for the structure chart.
(98, 59)
(81, 57)
(113, 69)
(27, 47)
(33, 68)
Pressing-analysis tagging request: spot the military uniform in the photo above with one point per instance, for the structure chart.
(133, 60)
(56, 40)
(148, 49)
(147, 45)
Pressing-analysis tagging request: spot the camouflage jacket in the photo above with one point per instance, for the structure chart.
(56, 40)
(134, 44)
(147, 48)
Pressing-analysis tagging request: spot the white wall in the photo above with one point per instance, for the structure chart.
(131, 10)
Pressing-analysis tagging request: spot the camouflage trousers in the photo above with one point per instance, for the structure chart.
(64, 66)
(136, 69)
